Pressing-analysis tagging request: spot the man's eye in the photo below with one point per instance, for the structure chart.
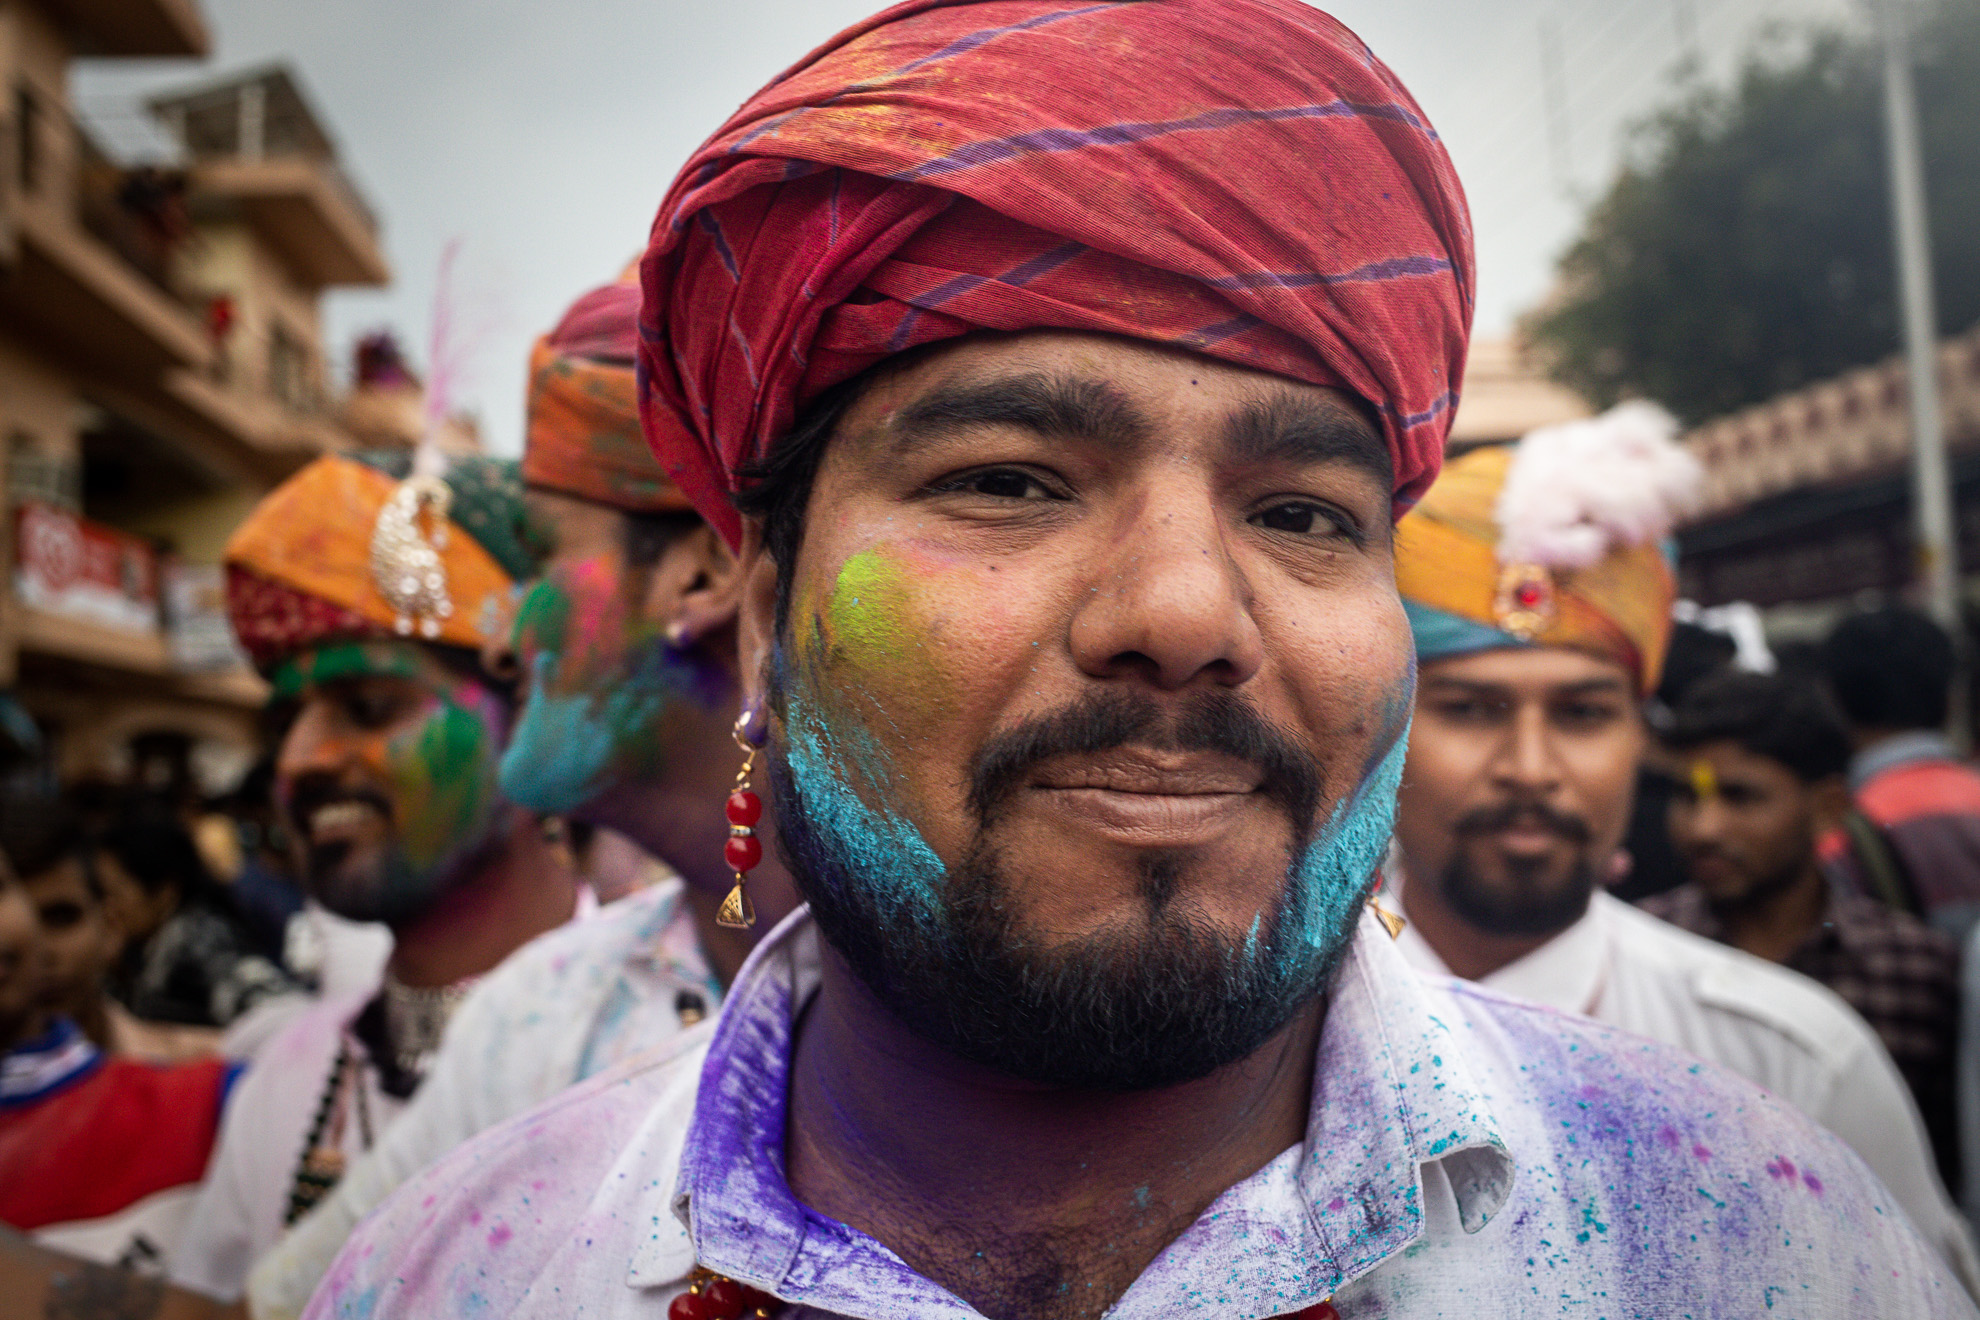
(1000, 484)
(1586, 715)
(371, 709)
(1469, 709)
(61, 916)
(1301, 520)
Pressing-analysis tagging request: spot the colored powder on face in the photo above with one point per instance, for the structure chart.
(344, 660)
(869, 610)
(567, 746)
(1332, 874)
(443, 782)
(840, 773)
(543, 618)
(592, 715)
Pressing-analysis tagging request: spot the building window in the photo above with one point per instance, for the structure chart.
(288, 368)
(27, 138)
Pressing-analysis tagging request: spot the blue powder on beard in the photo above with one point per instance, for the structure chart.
(830, 765)
(1331, 877)
(1329, 881)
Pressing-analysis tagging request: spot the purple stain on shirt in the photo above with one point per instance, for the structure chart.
(499, 1235)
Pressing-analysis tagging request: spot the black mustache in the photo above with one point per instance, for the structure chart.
(1490, 820)
(1220, 722)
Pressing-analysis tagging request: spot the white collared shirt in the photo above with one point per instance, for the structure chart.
(565, 1006)
(1770, 1025)
(1466, 1155)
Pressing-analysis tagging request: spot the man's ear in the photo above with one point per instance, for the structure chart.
(756, 617)
(1830, 798)
(693, 591)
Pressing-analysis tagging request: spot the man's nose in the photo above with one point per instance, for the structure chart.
(1528, 761)
(315, 744)
(1166, 600)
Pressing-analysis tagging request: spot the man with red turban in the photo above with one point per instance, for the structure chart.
(1059, 367)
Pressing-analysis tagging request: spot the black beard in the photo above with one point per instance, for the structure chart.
(1164, 1000)
(1769, 888)
(1527, 906)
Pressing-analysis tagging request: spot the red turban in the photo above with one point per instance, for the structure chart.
(1237, 177)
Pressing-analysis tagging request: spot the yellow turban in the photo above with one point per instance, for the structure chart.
(1556, 541)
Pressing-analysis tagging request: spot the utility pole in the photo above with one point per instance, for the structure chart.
(1932, 504)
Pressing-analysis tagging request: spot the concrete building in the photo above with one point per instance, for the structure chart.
(161, 367)
(1808, 496)
(1505, 396)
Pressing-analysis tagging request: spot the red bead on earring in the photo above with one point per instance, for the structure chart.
(743, 850)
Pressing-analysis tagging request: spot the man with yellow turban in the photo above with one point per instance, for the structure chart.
(365, 593)
(1058, 369)
(1539, 590)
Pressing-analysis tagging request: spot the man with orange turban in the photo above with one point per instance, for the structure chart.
(365, 593)
(1539, 591)
(627, 652)
(1058, 367)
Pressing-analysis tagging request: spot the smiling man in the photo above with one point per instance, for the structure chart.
(1068, 363)
(365, 596)
(627, 643)
(1540, 598)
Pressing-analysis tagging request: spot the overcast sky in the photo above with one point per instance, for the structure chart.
(542, 135)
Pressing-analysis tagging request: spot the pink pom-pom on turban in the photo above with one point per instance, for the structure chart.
(1238, 177)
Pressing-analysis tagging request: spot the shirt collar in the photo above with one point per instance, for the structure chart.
(1898, 749)
(39, 1067)
(1392, 1093)
(1567, 972)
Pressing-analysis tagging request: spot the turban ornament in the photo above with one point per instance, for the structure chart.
(406, 543)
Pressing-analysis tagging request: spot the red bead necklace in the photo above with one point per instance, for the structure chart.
(712, 1296)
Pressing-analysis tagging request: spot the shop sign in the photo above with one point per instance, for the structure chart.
(70, 566)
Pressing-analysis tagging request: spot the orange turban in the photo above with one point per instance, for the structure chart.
(584, 436)
(304, 568)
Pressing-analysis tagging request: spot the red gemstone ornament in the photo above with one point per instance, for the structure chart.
(1524, 603)
(725, 1297)
(742, 851)
(744, 808)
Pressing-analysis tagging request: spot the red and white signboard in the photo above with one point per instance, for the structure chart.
(84, 570)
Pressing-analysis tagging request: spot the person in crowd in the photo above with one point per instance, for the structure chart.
(1654, 866)
(1068, 427)
(1758, 762)
(365, 595)
(1916, 843)
(1540, 597)
(628, 648)
(242, 843)
(59, 866)
(187, 957)
(100, 1154)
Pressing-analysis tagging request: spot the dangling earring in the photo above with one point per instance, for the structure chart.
(743, 850)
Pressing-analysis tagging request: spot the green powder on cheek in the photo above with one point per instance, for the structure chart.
(544, 616)
(443, 777)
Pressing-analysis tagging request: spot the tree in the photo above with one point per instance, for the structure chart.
(1746, 247)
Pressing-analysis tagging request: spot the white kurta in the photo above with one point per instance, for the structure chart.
(1770, 1025)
